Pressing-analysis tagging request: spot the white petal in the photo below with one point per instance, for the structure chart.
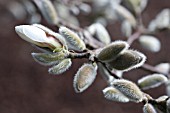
(31, 33)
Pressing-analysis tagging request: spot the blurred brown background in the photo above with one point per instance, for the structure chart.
(26, 86)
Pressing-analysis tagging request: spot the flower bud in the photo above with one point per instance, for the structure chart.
(163, 67)
(135, 6)
(125, 14)
(48, 11)
(152, 81)
(148, 108)
(129, 89)
(72, 39)
(101, 33)
(127, 60)
(48, 59)
(168, 87)
(84, 77)
(37, 36)
(111, 51)
(113, 94)
(150, 43)
(126, 28)
(162, 21)
(168, 105)
(61, 67)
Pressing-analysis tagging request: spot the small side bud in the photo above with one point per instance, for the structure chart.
(48, 11)
(48, 59)
(113, 94)
(162, 21)
(125, 14)
(112, 51)
(129, 89)
(152, 81)
(168, 87)
(148, 108)
(61, 67)
(163, 67)
(168, 105)
(84, 77)
(127, 60)
(101, 33)
(150, 43)
(72, 39)
(126, 28)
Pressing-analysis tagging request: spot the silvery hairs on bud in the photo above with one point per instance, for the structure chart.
(84, 77)
(48, 59)
(148, 108)
(127, 60)
(113, 94)
(129, 89)
(72, 39)
(152, 81)
(60, 67)
(48, 11)
(150, 43)
(111, 51)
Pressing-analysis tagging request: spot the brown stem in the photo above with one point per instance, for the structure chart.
(133, 37)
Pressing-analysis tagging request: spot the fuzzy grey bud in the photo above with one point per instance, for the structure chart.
(148, 108)
(111, 51)
(127, 60)
(113, 94)
(72, 39)
(129, 89)
(152, 81)
(168, 105)
(48, 59)
(84, 77)
(60, 67)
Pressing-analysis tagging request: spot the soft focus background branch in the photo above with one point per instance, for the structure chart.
(26, 87)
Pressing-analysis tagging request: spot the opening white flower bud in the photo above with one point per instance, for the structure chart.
(84, 77)
(129, 89)
(127, 60)
(111, 51)
(152, 81)
(150, 43)
(37, 36)
(61, 67)
(73, 40)
(113, 94)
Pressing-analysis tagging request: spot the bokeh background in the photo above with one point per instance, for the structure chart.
(26, 86)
